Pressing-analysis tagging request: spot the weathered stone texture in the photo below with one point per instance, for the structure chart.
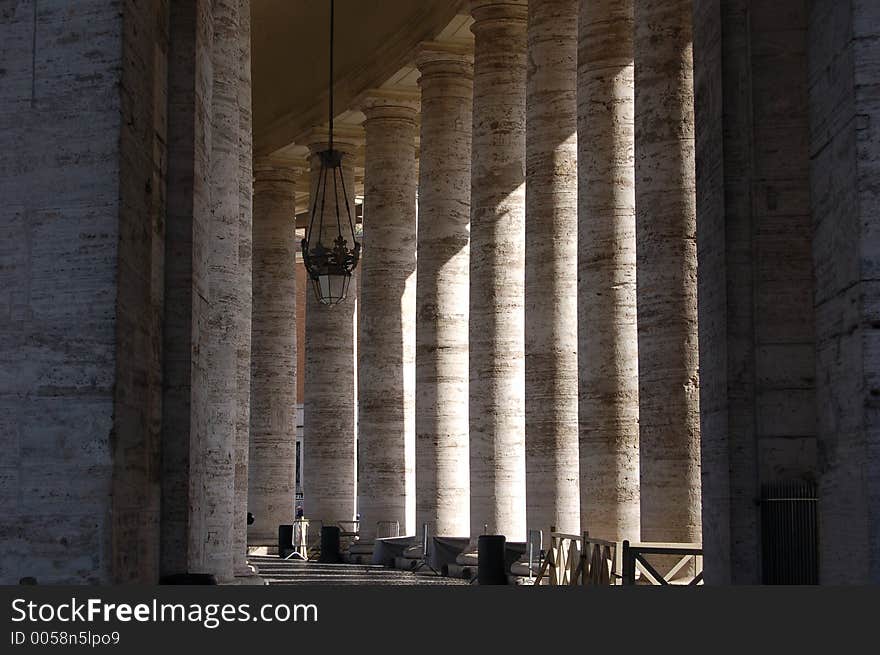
(80, 175)
(669, 430)
(245, 281)
(608, 340)
(756, 316)
(212, 453)
(717, 41)
(184, 382)
(551, 243)
(844, 144)
(274, 347)
(386, 355)
(136, 438)
(497, 271)
(442, 473)
(329, 426)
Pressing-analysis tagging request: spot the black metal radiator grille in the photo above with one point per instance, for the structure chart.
(789, 532)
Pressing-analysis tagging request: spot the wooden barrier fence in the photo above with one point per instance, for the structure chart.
(583, 560)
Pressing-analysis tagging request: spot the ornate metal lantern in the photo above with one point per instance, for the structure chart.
(330, 249)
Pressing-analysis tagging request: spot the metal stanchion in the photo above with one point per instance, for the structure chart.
(425, 551)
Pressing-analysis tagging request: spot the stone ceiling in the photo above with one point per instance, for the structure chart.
(375, 43)
(375, 40)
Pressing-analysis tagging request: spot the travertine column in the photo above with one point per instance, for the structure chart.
(497, 270)
(442, 499)
(608, 341)
(754, 239)
(386, 357)
(245, 279)
(551, 378)
(187, 220)
(844, 149)
(212, 455)
(329, 392)
(273, 356)
(667, 271)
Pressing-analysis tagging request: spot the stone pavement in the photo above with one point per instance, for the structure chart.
(297, 572)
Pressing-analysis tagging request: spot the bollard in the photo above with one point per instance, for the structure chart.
(330, 545)
(491, 567)
(285, 540)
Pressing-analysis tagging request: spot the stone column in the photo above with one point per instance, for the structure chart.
(187, 219)
(667, 271)
(329, 445)
(497, 271)
(442, 474)
(212, 455)
(607, 336)
(844, 147)
(754, 239)
(551, 302)
(273, 356)
(386, 357)
(245, 278)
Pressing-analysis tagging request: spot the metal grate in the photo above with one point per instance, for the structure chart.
(789, 533)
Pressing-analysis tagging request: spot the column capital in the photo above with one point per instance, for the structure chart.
(278, 168)
(347, 139)
(449, 57)
(388, 103)
(489, 11)
(277, 174)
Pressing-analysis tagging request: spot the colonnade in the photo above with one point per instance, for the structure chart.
(501, 380)
(504, 362)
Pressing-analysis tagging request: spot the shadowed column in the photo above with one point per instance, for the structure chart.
(212, 455)
(245, 280)
(273, 382)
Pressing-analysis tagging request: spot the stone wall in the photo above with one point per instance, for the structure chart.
(81, 263)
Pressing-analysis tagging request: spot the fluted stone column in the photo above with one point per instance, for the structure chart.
(551, 377)
(497, 271)
(212, 458)
(245, 279)
(273, 383)
(607, 335)
(667, 271)
(329, 446)
(442, 496)
(386, 356)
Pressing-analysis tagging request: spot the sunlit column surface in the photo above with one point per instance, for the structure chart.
(442, 473)
(386, 355)
(607, 338)
(551, 374)
(329, 398)
(667, 271)
(497, 270)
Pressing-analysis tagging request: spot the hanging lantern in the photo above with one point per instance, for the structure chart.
(330, 249)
